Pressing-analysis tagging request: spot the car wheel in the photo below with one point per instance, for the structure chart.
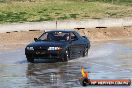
(66, 56)
(85, 52)
(30, 60)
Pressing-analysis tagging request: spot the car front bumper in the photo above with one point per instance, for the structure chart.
(48, 56)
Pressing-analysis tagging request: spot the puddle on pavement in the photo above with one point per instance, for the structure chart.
(106, 60)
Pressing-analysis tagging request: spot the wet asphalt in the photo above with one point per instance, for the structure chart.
(106, 60)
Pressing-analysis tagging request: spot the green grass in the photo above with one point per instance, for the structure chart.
(49, 10)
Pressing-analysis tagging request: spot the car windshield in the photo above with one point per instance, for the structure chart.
(54, 36)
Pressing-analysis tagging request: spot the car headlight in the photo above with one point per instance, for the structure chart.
(30, 48)
(54, 48)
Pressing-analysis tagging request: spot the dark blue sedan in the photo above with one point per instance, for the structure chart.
(58, 45)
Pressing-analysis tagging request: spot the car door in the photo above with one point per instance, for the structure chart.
(76, 46)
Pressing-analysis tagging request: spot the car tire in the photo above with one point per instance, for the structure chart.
(85, 52)
(30, 60)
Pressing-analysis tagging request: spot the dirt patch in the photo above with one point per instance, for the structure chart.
(17, 39)
(13, 40)
(112, 33)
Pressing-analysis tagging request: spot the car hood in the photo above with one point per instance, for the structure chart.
(49, 44)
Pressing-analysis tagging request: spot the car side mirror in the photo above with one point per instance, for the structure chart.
(84, 37)
(35, 39)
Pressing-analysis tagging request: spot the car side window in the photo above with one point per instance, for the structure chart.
(73, 37)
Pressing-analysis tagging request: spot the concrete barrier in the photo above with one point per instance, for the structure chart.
(48, 25)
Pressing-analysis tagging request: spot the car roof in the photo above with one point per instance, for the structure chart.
(66, 30)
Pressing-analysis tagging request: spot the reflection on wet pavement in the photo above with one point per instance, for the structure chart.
(106, 60)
